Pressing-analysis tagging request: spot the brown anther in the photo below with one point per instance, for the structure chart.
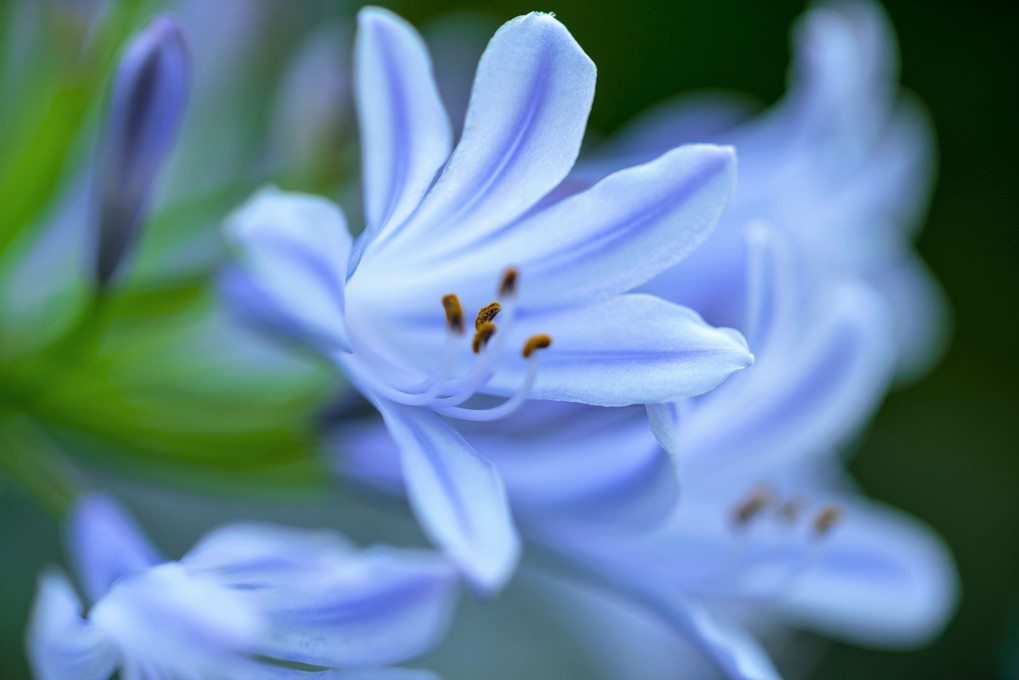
(790, 510)
(508, 285)
(536, 342)
(482, 336)
(827, 518)
(486, 314)
(454, 313)
(752, 505)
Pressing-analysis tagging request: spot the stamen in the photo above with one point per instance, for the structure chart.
(513, 403)
(454, 313)
(751, 507)
(486, 314)
(534, 343)
(508, 285)
(829, 516)
(482, 336)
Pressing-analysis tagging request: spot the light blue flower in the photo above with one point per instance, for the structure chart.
(844, 164)
(249, 601)
(768, 527)
(458, 229)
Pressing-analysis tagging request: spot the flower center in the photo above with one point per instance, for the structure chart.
(443, 391)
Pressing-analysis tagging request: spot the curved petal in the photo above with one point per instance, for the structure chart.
(328, 604)
(457, 496)
(406, 135)
(882, 579)
(61, 644)
(293, 251)
(528, 110)
(814, 387)
(623, 231)
(188, 626)
(628, 349)
(105, 544)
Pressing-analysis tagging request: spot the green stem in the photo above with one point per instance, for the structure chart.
(35, 465)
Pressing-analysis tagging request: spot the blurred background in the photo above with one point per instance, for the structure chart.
(945, 449)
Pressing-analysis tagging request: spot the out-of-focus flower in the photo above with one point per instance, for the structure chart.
(249, 601)
(443, 224)
(844, 164)
(149, 93)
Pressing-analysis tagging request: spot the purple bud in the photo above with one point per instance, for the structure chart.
(149, 93)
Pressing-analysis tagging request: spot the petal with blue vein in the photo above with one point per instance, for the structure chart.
(61, 644)
(881, 578)
(293, 260)
(623, 231)
(457, 496)
(405, 132)
(628, 349)
(105, 544)
(527, 115)
(329, 604)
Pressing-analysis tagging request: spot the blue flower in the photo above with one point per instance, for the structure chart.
(249, 601)
(454, 230)
(844, 164)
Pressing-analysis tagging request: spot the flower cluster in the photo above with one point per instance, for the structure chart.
(653, 398)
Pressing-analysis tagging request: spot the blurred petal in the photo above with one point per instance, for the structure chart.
(61, 644)
(628, 349)
(808, 395)
(406, 135)
(168, 619)
(457, 496)
(293, 252)
(105, 544)
(881, 579)
(328, 604)
(527, 115)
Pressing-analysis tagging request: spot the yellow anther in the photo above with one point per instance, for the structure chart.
(482, 336)
(828, 517)
(752, 505)
(454, 313)
(508, 285)
(534, 343)
(486, 314)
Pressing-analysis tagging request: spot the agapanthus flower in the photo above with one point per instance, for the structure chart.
(450, 232)
(844, 164)
(768, 527)
(248, 601)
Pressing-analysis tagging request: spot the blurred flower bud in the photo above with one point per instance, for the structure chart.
(147, 104)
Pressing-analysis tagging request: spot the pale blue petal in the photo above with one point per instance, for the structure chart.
(328, 604)
(559, 461)
(293, 251)
(922, 315)
(528, 110)
(61, 644)
(881, 579)
(405, 133)
(189, 626)
(623, 231)
(105, 544)
(809, 393)
(629, 349)
(664, 422)
(457, 496)
(381, 674)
